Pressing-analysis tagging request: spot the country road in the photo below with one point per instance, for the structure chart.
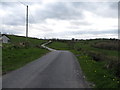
(57, 69)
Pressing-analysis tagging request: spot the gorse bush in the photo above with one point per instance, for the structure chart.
(71, 44)
(110, 45)
(102, 50)
(97, 56)
(112, 62)
(118, 69)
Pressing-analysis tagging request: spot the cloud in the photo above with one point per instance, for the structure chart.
(61, 10)
(104, 9)
(95, 32)
(19, 30)
(13, 14)
(83, 34)
(61, 19)
(79, 22)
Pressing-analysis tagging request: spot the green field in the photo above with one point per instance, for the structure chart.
(19, 52)
(58, 46)
(99, 63)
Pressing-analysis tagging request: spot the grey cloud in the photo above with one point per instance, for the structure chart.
(84, 32)
(76, 23)
(104, 9)
(112, 10)
(15, 14)
(8, 4)
(74, 10)
(119, 9)
(11, 31)
(114, 5)
(94, 32)
(12, 20)
(42, 28)
(59, 11)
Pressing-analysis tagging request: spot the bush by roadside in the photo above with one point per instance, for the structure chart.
(110, 45)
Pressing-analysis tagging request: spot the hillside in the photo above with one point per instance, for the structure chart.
(20, 51)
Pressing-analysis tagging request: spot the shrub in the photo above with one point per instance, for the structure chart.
(71, 45)
(97, 56)
(27, 44)
(110, 45)
(112, 62)
(79, 49)
(118, 69)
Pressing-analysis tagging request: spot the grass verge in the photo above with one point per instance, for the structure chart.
(95, 71)
(14, 59)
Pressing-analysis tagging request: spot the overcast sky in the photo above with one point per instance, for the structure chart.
(66, 20)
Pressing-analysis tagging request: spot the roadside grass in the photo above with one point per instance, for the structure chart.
(95, 71)
(88, 47)
(16, 55)
(16, 58)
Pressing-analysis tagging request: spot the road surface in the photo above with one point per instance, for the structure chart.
(57, 69)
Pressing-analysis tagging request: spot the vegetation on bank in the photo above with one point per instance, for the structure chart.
(98, 59)
(20, 51)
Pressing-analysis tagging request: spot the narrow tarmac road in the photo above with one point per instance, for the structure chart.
(57, 69)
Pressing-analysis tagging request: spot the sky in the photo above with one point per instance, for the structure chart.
(60, 19)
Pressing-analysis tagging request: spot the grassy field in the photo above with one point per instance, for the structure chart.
(19, 52)
(99, 64)
(19, 39)
(58, 46)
